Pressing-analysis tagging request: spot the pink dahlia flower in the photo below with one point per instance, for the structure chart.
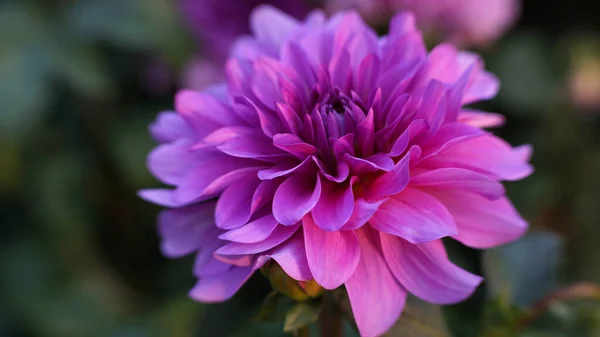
(343, 157)
(466, 22)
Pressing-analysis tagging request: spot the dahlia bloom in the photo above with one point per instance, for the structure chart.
(465, 22)
(341, 156)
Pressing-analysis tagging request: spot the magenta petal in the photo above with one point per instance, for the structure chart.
(425, 271)
(220, 287)
(291, 256)
(414, 216)
(362, 213)
(234, 206)
(482, 223)
(335, 205)
(279, 235)
(252, 232)
(332, 256)
(377, 299)
(295, 197)
(457, 178)
(294, 145)
(378, 162)
(392, 182)
(282, 170)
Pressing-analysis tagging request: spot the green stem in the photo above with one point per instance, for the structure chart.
(330, 320)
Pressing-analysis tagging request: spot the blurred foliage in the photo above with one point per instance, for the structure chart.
(80, 80)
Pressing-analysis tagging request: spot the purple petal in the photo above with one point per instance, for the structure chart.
(278, 236)
(482, 223)
(183, 230)
(170, 162)
(213, 176)
(377, 299)
(271, 25)
(220, 287)
(160, 196)
(415, 216)
(332, 256)
(204, 113)
(425, 271)
(252, 232)
(295, 197)
(234, 207)
(457, 178)
(335, 205)
(169, 127)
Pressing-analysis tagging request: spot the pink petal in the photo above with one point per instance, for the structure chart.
(332, 256)
(414, 216)
(377, 299)
(457, 178)
(425, 271)
(295, 197)
(234, 205)
(501, 161)
(482, 223)
(335, 205)
(255, 231)
(480, 119)
(220, 287)
(362, 213)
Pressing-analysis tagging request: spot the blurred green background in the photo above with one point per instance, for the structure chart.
(81, 80)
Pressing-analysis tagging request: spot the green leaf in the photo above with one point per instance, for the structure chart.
(274, 307)
(301, 315)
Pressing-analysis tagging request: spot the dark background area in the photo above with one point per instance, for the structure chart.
(81, 80)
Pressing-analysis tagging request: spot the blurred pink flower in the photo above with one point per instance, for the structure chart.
(216, 24)
(465, 22)
(343, 157)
